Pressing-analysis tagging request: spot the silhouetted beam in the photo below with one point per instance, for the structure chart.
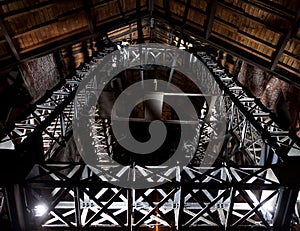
(121, 10)
(185, 14)
(284, 40)
(211, 15)
(168, 12)
(139, 22)
(89, 16)
(9, 40)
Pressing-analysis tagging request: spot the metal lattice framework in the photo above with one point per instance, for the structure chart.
(221, 197)
(224, 196)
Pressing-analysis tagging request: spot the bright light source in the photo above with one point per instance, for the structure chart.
(124, 43)
(40, 210)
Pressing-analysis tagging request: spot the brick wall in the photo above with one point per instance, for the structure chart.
(279, 96)
(40, 75)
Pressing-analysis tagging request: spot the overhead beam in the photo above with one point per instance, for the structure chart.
(168, 12)
(121, 10)
(211, 16)
(284, 40)
(139, 22)
(185, 14)
(89, 16)
(9, 40)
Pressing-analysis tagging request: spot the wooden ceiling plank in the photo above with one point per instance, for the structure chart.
(27, 10)
(100, 4)
(282, 14)
(35, 28)
(9, 41)
(122, 33)
(61, 17)
(284, 40)
(5, 2)
(257, 20)
(246, 34)
(70, 40)
(210, 16)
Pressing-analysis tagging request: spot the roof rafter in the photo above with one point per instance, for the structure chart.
(89, 16)
(185, 14)
(168, 16)
(284, 40)
(211, 16)
(9, 40)
(139, 22)
(121, 10)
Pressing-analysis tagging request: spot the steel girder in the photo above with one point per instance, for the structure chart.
(223, 196)
(249, 120)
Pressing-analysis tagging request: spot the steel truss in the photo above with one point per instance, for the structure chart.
(250, 121)
(223, 197)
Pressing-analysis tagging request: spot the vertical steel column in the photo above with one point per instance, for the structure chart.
(16, 207)
(130, 209)
(77, 206)
(285, 209)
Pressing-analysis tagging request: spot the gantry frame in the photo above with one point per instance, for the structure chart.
(225, 196)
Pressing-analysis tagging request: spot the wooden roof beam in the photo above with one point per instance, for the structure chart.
(91, 23)
(184, 18)
(139, 22)
(9, 41)
(125, 18)
(284, 40)
(121, 10)
(211, 16)
(168, 12)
